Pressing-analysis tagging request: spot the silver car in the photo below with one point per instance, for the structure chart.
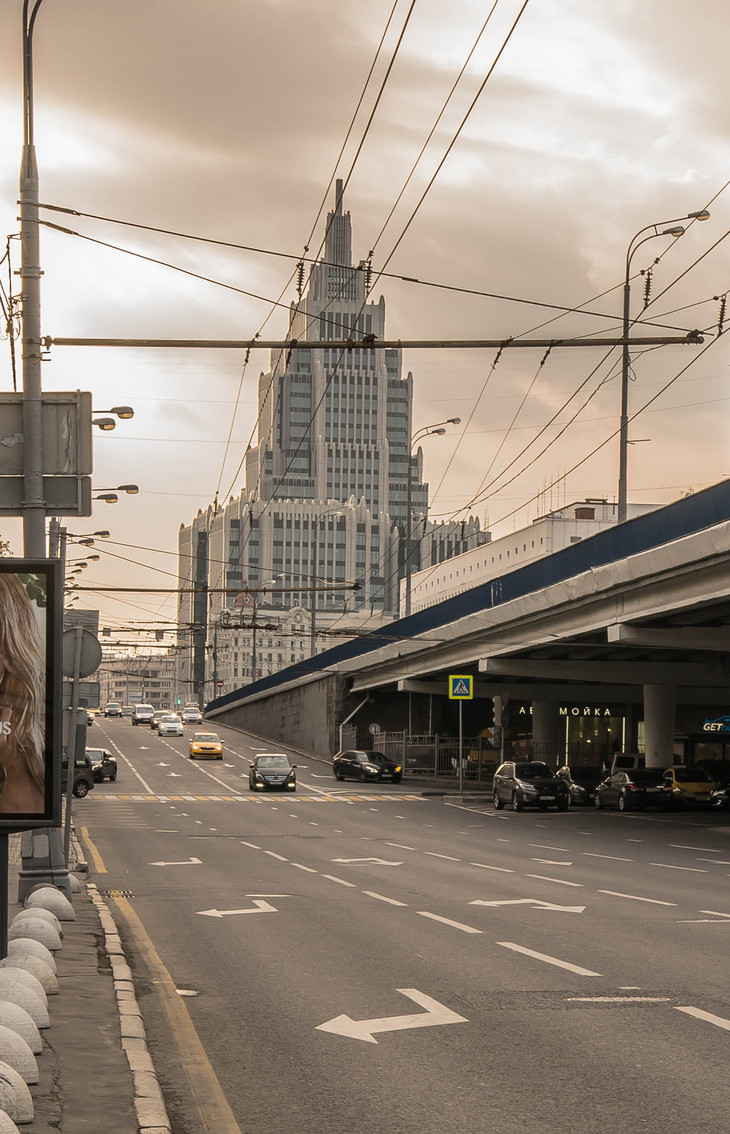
(170, 726)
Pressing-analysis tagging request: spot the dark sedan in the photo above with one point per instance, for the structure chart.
(522, 783)
(366, 765)
(638, 789)
(103, 764)
(582, 781)
(272, 770)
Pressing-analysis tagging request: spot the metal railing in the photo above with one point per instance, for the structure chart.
(435, 755)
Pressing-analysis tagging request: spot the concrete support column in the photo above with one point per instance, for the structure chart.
(660, 704)
(547, 732)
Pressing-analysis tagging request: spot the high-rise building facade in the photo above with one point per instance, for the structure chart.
(326, 486)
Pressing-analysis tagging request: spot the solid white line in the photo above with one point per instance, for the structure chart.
(445, 921)
(682, 846)
(617, 999)
(548, 960)
(692, 869)
(308, 869)
(433, 854)
(544, 846)
(399, 846)
(501, 869)
(718, 1021)
(275, 855)
(717, 861)
(715, 912)
(560, 881)
(635, 898)
(613, 857)
(382, 898)
(251, 845)
(341, 881)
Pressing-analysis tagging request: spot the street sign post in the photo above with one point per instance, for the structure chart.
(461, 688)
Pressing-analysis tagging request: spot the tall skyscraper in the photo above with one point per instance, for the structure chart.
(326, 485)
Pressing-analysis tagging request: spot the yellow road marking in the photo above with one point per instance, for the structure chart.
(96, 857)
(215, 1114)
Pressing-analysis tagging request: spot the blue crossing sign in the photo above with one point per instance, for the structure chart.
(461, 687)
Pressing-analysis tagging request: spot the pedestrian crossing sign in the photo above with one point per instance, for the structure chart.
(461, 687)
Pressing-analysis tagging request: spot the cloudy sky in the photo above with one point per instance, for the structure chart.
(227, 121)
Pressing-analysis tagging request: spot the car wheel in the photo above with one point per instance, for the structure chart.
(397, 779)
(81, 789)
(597, 802)
(516, 801)
(497, 801)
(191, 756)
(543, 806)
(622, 801)
(112, 777)
(362, 777)
(563, 804)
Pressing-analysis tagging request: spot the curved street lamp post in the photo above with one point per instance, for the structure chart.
(426, 431)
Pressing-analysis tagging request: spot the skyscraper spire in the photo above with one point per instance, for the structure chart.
(338, 240)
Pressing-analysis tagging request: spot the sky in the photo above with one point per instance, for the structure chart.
(574, 125)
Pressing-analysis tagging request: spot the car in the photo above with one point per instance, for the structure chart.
(206, 744)
(272, 770)
(83, 781)
(127, 710)
(89, 718)
(169, 725)
(627, 762)
(689, 785)
(142, 714)
(365, 764)
(113, 709)
(191, 714)
(157, 716)
(528, 783)
(718, 770)
(582, 781)
(103, 764)
(636, 789)
(720, 798)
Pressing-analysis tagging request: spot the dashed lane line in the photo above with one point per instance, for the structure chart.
(636, 898)
(448, 921)
(571, 968)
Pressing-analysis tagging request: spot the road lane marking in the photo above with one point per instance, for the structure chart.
(617, 999)
(551, 862)
(692, 869)
(308, 869)
(544, 846)
(715, 913)
(399, 846)
(483, 866)
(636, 898)
(260, 906)
(682, 846)
(273, 854)
(334, 878)
(382, 898)
(717, 861)
(253, 846)
(548, 960)
(95, 856)
(613, 857)
(560, 881)
(449, 857)
(447, 921)
(718, 1021)
(434, 1015)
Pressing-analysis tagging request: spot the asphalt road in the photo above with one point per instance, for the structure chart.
(364, 958)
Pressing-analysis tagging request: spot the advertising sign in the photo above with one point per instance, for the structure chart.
(30, 692)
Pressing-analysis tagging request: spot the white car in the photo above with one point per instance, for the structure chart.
(170, 726)
(192, 715)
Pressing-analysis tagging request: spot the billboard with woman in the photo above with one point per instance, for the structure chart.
(29, 677)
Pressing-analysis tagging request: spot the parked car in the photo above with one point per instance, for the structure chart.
(113, 709)
(103, 764)
(582, 781)
(169, 725)
(365, 764)
(627, 762)
(206, 744)
(720, 798)
(83, 776)
(272, 770)
(718, 770)
(142, 714)
(530, 783)
(688, 785)
(191, 714)
(637, 789)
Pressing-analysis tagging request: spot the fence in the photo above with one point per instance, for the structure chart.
(436, 756)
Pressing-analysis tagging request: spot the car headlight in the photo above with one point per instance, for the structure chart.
(526, 787)
(370, 768)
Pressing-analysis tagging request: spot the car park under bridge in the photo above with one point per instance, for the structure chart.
(619, 641)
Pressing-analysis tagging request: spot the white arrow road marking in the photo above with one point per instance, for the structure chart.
(377, 861)
(175, 774)
(538, 905)
(187, 862)
(260, 907)
(434, 1015)
(162, 765)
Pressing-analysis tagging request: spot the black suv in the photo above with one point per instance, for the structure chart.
(103, 764)
(83, 776)
(365, 764)
(523, 783)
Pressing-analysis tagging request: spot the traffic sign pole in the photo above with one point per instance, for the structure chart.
(461, 751)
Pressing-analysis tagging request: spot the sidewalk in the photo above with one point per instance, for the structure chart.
(86, 1080)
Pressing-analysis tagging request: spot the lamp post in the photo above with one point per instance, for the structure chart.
(315, 557)
(428, 430)
(675, 229)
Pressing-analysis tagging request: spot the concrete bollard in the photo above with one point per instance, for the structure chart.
(34, 1004)
(37, 968)
(31, 948)
(23, 1097)
(19, 1020)
(49, 898)
(19, 978)
(15, 1051)
(44, 915)
(7, 1126)
(37, 929)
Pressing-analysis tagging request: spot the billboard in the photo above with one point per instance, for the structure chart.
(30, 693)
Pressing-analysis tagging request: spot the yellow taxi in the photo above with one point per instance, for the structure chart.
(206, 744)
(688, 785)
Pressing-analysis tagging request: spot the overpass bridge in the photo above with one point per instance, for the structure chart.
(630, 626)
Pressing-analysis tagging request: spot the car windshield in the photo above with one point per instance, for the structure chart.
(206, 738)
(376, 757)
(533, 771)
(277, 762)
(691, 776)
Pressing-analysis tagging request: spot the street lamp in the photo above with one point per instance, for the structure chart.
(675, 229)
(264, 626)
(427, 431)
(107, 423)
(316, 520)
(109, 495)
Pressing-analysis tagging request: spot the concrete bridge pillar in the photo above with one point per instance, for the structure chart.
(660, 703)
(548, 732)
